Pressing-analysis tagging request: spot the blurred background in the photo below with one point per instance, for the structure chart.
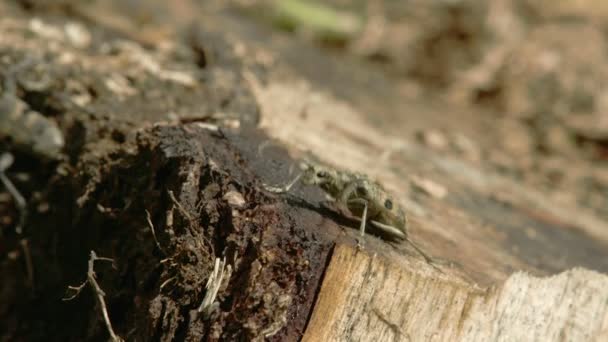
(517, 86)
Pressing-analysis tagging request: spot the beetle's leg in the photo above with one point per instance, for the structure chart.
(426, 257)
(393, 231)
(420, 251)
(263, 146)
(286, 188)
(362, 202)
(345, 199)
(348, 191)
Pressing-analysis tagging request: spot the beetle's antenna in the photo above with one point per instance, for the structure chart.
(428, 259)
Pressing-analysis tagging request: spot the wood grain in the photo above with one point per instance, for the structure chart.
(371, 298)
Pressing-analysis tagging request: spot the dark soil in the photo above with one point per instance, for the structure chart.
(276, 255)
(201, 185)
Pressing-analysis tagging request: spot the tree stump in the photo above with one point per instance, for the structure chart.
(169, 149)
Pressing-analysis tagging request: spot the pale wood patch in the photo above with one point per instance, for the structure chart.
(372, 298)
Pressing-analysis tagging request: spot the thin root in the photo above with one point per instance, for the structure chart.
(220, 270)
(99, 294)
(153, 232)
(29, 265)
(179, 206)
(165, 283)
(6, 160)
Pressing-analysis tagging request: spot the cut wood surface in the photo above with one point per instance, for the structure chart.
(367, 298)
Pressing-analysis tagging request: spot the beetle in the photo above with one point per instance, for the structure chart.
(364, 198)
